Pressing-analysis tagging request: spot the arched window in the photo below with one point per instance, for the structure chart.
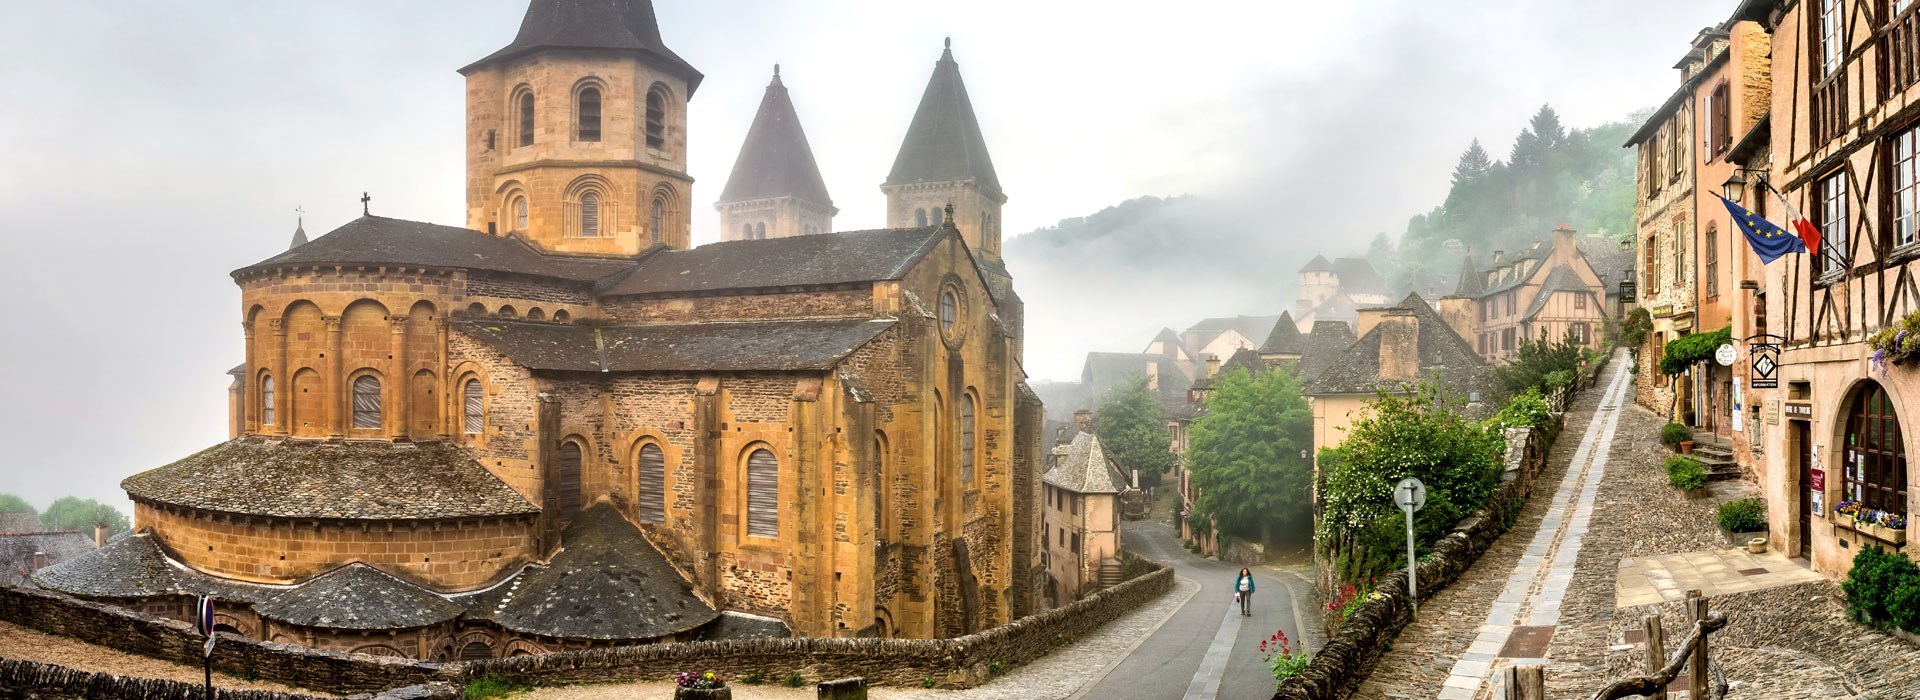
(526, 119)
(589, 111)
(473, 407)
(476, 310)
(589, 215)
(561, 316)
(656, 119)
(949, 310)
(760, 232)
(366, 403)
(763, 494)
(652, 494)
(567, 485)
(1874, 457)
(266, 399)
(920, 217)
(746, 232)
(535, 314)
(966, 438)
(519, 213)
(658, 219)
(475, 651)
(508, 312)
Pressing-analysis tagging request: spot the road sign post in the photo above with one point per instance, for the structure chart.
(206, 628)
(1410, 495)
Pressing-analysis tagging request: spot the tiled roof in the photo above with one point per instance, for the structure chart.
(944, 142)
(775, 160)
(608, 25)
(358, 597)
(733, 625)
(1319, 263)
(133, 567)
(1445, 358)
(25, 521)
(608, 582)
(1357, 276)
(377, 240)
(1609, 260)
(17, 550)
(757, 345)
(1285, 339)
(1086, 468)
(823, 259)
(1328, 341)
(372, 480)
(1561, 278)
(1471, 284)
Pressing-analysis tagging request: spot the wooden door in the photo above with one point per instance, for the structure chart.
(1802, 439)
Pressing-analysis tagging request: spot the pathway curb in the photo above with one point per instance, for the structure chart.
(1088, 686)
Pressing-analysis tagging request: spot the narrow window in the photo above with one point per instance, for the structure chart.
(949, 308)
(366, 403)
(473, 408)
(1076, 542)
(1580, 301)
(920, 215)
(526, 119)
(746, 232)
(966, 438)
(1831, 192)
(589, 215)
(880, 490)
(567, 491)
(652, 495)
(1832, 41)
(760, 231)
(654, 229)
(519, 213)
(1722, 121)
(763, 494)
(589, 111)
(266, 399)
(1906, 195)
(656, 120)
(1713, 260)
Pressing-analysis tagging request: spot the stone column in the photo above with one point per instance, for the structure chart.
(248, 404)
(400, 379)
(707, 437)
(453, 402)
(333, 388)
(812, 517)
(282, 379)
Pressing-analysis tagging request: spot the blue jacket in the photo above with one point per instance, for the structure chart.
(1238, 579)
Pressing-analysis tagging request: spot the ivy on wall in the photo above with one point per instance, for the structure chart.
(1691, 348)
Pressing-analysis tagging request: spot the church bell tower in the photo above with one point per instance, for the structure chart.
(577, 132)
(943, 161)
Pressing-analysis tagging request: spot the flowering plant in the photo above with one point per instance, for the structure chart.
(1281, 659)
(704, 681)
(1897, 342)
(1869, 516)
(1346, 600)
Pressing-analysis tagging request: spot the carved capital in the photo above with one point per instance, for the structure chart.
(333, 323)
(277, 326)
(397, 323)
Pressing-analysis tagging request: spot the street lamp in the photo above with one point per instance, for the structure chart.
(1736, 185)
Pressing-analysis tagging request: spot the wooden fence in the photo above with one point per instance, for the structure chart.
(1704, 679)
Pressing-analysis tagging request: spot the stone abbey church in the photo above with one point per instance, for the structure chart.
(563, 426)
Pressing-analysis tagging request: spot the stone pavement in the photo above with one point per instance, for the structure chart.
(1666, 578)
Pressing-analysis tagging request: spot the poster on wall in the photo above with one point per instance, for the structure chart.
(1739, 412)
(1817, 484)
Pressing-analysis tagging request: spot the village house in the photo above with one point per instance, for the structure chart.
(1335, 290)
(457, 442)
(1082, 515)
(1550, 290)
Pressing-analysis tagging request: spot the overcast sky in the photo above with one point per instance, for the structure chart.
(152, 146)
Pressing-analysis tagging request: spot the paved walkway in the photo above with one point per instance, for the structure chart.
(1666, 578)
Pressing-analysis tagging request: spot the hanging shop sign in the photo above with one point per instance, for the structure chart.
(1764, 358)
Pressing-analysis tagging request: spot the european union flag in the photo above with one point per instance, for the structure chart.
(1768, 241)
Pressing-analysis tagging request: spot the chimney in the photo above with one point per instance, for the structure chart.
(1497, 255)
(1370, 318)
(1083, 421)
(99, 535)
(1563, 238)
(39, 560)
(1399, 345)
(1213, 365)
(1153, 376)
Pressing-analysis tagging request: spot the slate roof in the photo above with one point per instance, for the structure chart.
(23, 521)
(377, 240)
(371, 480)
(733, 625)
(1087, 468)
(1357, 276)
(775, 160)
(133, 567)
(1471, 283)
(1337, 307)
(1328, 341)
(822, 259)
(358, 597)
(1104, 370)
(756, 345)
(1561, 278)
(1166, 335)
(17, 550)
(1249, 327)
(608, 582)
(1319, 263)
(1285, 339)
(616, 25)
(944, 141)
(1609, 260)
(1445, 357)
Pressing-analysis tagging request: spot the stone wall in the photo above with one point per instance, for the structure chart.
(1353, 649)
(179, 642)
(952, 663)
(35, 681)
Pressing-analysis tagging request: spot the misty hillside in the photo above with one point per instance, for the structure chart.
(1111, 280)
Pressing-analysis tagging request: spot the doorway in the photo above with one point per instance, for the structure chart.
(1799, 434)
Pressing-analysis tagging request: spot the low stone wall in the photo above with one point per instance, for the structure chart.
(1352, 650)
(176, 641)
(950, 663)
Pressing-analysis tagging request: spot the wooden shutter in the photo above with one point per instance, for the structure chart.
(474, 408)
(652, 495)
(567, 485)
(763, 494)
(366, 403)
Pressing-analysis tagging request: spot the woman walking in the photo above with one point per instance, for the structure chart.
(1243, 591)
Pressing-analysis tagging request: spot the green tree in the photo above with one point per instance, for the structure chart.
(1535, 362)
(10, 503)
(1248, 455)
(75, 513)
(1132, 429)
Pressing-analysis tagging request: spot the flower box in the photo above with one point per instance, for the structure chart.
(1843, 520)
(1886, 534)
(702, 694)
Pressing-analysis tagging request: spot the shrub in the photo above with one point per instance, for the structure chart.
(1527, 408)
(1535, 360)
(1743, 515)
(1675, 433)
(1884, 588)
(1685, 350)
(1686, 473)
(1634, 330)
(754, 678)
(492, 687)
(795, 681)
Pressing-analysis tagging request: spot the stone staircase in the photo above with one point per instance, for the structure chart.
(1717, 456)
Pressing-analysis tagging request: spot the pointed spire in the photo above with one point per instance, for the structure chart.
(620, 25)
(299, 232)
(1470, 284)
(775, 160)
(944, 142)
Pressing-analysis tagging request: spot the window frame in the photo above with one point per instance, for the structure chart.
(1903, 194)
(368, 402)
(650, 505)
(583, 130)
(526, 118)
(520, 210)
(574, 475)
(765, 498)
(968, 436)
(1873, 474)
(589, 224)
(473, 407)
(656, 108)
(1830, 208)
(1713, 260)
(267, 396)
(1830, 39)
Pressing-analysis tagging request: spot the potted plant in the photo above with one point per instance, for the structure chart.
(1742, 520)
(705, 686)
(1844, 514)
(1888, 527)
(1687, 474)
(1677, 437)
(1896, 342)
